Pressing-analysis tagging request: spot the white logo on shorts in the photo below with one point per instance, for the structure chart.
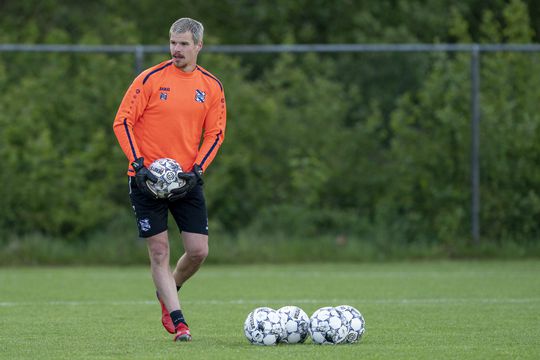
(144, 224)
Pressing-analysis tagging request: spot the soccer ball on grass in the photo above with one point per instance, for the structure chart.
(263, 326)
(294, 323)
(166, 170)
(328, 326)
(355, 323)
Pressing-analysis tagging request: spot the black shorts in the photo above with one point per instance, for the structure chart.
(189, 212)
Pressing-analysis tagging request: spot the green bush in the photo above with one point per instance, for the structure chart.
(372, 148)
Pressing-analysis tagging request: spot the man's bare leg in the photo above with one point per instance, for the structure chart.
(196, 251)
(158, 251)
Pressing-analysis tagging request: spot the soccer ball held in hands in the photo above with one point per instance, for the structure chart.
(166, 170)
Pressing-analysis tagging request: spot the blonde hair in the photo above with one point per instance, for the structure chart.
(186, 24)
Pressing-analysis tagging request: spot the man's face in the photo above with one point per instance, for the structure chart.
(184, 51)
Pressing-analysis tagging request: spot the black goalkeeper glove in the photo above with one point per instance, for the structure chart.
(142, 174)
(192, 179)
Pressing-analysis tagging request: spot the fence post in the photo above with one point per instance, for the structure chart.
(475, 143)
(139, 59)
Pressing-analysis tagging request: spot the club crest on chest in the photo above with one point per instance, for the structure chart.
(200, 96)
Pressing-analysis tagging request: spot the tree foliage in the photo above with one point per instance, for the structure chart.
(360, 145)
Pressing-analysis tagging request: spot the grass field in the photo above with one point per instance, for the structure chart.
(425, 310)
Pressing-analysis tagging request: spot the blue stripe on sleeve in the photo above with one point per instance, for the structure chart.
(211, 76)
(130, 140)
(211, 148)
(155, 71)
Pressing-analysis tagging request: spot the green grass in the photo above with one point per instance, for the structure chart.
(423, 310)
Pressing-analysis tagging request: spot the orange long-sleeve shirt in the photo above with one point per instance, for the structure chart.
(166, 112)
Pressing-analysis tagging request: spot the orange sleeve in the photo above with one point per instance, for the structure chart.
(129, 112)
(214, 131)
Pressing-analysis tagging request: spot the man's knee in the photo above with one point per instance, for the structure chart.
(197, 255)
(158, 251)
(195, 246)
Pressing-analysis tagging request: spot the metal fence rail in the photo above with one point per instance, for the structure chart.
(474, 50)
(277, 48)
(140, 50)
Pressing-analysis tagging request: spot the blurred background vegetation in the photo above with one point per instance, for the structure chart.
(327, 156)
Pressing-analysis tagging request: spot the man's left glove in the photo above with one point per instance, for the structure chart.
(192, 179)
(141, 175)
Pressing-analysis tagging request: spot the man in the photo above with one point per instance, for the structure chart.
(166, 112)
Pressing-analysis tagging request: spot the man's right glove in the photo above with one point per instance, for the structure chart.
(192, 179)
(141, 175)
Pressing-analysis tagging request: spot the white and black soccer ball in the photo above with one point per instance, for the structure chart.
(355, 323)
(327, 326)
(295, 324)
(166, 170)
(263, 326)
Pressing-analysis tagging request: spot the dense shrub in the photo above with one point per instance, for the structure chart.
(371, 147)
